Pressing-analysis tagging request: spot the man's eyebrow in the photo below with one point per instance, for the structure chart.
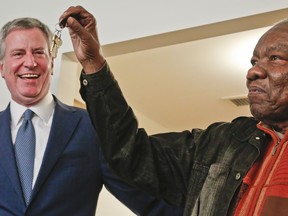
(16, 50)
(39, 48)
(279, 47)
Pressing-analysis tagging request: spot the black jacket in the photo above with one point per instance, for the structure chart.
(198, 169)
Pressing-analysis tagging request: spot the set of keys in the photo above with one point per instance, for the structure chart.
(56, 42)
(56, 39)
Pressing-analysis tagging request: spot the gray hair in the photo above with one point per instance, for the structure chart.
(22, 23)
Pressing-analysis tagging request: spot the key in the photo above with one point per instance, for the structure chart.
(53, 50)
(56, 43)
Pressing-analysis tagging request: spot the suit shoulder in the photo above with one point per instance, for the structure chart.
(71, 108)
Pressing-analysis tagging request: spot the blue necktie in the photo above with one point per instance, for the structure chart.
(25, 153)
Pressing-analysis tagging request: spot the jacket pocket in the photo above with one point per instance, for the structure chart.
(213, 186)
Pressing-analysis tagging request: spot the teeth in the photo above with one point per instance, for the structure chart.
(29, 76)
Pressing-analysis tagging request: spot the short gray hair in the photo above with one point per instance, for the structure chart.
(22, 23)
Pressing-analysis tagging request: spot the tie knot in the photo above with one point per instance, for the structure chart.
(28, 114)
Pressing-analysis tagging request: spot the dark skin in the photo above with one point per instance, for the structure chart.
(83, 33)
(267, 79)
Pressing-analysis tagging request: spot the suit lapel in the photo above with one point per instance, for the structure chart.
(7, 157)
(59, 137)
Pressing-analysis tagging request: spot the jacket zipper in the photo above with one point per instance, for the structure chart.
(275, 148)
(277, 144)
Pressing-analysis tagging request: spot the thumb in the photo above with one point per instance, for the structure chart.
(74, 26)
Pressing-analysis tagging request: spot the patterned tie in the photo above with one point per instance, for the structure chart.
(25, 153)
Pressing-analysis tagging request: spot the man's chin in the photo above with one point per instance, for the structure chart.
(256, 111)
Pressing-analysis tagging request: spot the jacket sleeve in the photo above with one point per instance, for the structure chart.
(138, 201)
(159, 164)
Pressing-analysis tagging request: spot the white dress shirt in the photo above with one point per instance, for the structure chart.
(42, 121)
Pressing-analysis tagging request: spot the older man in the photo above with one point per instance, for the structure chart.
(232, 168)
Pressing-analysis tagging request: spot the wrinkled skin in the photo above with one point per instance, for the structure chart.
(83, 32)
(27, 65)
(267, 79)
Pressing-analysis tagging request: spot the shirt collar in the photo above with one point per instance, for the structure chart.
(44, 109)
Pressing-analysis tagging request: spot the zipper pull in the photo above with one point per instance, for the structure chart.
(275, 148)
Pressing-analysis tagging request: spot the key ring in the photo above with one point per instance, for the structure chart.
(58, 30)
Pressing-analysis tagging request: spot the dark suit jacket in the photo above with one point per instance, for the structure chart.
(71, 175)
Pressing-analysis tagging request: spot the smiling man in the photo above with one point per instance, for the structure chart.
(66, 168)
(26, 65)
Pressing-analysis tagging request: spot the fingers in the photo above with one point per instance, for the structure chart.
(63, 22)
(71, 11)
(83, 33)
(77, 13)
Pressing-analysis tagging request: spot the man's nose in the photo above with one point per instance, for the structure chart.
(256, 72)
(30, 61)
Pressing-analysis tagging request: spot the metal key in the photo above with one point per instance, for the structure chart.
(56, 43)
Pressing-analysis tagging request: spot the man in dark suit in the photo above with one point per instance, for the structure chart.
(68, 167)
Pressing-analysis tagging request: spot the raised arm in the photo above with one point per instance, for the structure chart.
(157, 164)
